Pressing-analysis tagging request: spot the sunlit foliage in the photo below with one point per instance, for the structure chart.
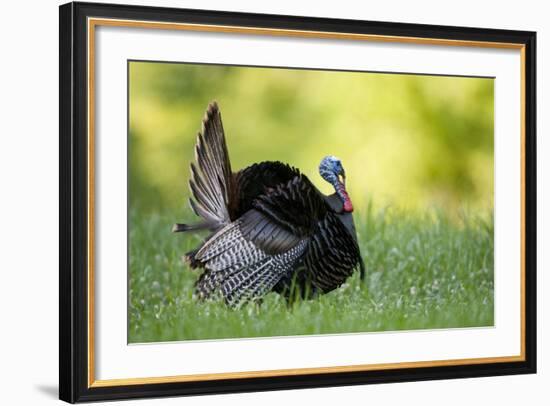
(409, 140)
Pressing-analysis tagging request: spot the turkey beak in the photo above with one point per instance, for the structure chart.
(342, 177)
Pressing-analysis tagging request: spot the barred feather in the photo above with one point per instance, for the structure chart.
(238, 269)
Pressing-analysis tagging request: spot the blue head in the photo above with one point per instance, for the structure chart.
(333, 172)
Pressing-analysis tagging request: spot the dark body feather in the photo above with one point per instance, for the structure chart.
(271, 227)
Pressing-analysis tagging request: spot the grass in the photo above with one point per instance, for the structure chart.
(423, 272)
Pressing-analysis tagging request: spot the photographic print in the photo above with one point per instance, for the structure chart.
(262, 202)
(266, 202)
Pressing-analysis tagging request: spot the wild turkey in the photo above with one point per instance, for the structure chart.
(270, 226)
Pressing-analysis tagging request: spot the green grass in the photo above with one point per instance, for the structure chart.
(423, 272)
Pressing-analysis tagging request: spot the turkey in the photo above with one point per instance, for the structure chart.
(270, 227)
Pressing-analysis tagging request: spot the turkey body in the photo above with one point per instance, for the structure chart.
(270, 227)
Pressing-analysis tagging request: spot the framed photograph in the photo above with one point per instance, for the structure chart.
(257, 202)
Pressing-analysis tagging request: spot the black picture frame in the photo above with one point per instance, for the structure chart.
(73, 284)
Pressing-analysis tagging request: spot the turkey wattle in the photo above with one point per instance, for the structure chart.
(270, 226)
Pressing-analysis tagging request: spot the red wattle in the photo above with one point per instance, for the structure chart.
(348, 207)
(341, 190)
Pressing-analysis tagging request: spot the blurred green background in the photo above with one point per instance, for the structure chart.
(411, 141)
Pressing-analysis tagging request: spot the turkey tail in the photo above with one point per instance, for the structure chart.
(211, 180)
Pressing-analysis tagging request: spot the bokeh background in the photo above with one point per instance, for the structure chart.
(411, 141)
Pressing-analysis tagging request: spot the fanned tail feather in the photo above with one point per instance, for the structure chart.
(211, 181)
